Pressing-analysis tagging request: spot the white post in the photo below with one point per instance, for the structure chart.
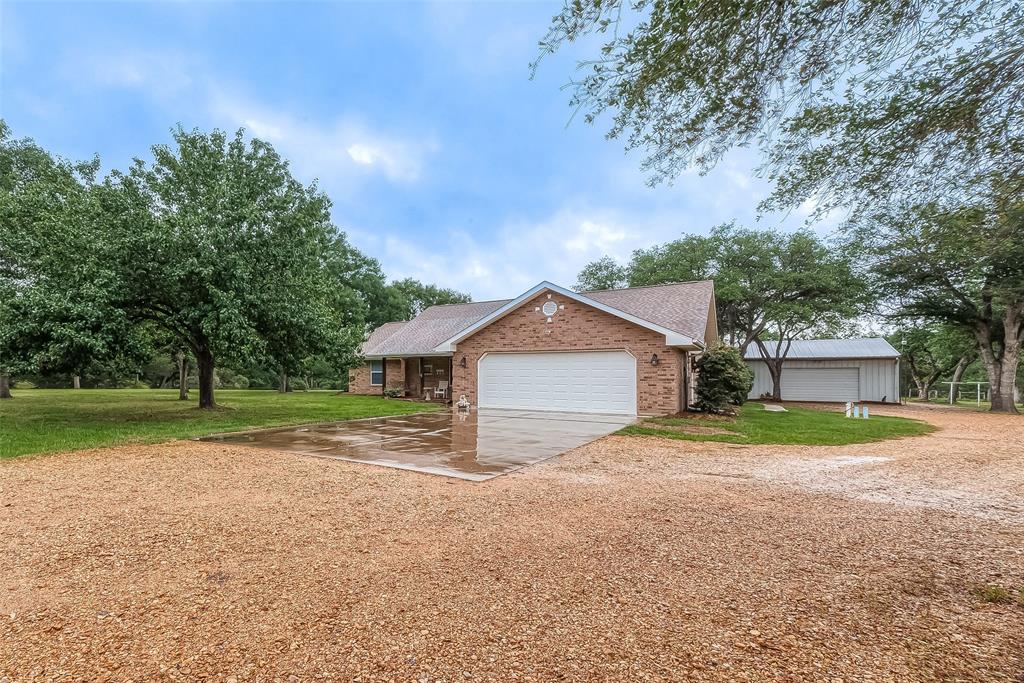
(979, 393)
(849, 409)
(950, 393)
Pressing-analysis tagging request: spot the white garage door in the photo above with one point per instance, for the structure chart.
(578, 381)
(821, 384)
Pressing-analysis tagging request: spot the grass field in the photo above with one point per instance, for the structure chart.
(797, 426)
(51, 420)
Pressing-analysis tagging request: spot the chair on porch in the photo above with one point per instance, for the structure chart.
(441, 390)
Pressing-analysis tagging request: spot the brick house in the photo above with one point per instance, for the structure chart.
(626, 351)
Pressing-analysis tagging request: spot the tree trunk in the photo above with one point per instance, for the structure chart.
(204, 359)
(1003, 398)
(776, 374)
(76, 382)
(1002, 368)
(924, 388)
(182, 377)
(958, 373)
(282, 384)
(5, 385)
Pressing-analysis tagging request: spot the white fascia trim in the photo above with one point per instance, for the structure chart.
(428, 354)
(672, 338)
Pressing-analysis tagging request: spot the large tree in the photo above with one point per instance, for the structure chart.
(770, 286)
(762, 277)
(931, 352)
(961, 266)
(56, 310)
(815, 292)
(604, 273)
(216, 243)
(416, 296)
(851, 101)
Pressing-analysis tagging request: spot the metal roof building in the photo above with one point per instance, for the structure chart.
(831, 370)
(824, 349)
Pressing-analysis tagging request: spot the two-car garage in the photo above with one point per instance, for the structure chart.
(571, 381)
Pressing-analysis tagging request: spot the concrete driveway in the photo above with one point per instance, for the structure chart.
(474, 446)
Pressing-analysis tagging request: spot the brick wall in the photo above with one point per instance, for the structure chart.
(359, 377)
(577, 327)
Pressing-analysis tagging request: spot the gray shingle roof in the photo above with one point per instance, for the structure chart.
(831, 348)
(431, 327)
(681, 307)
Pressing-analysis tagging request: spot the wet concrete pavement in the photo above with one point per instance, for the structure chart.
(474, 446)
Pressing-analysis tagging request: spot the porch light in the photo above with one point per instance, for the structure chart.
(654, 359)
(462, 363)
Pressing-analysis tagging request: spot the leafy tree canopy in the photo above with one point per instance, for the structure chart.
(604, 273)
(852, 100)
(762, 278)
(412, 297)
(963, 266)
(56, 312)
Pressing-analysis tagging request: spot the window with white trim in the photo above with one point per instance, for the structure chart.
(376, 373)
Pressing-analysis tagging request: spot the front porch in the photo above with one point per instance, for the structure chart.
(419, 377)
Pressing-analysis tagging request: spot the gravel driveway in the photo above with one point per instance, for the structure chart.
(628, 559)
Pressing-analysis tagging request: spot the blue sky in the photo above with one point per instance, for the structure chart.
(443, 159)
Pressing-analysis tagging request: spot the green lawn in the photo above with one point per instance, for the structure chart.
(50, 420)
(800, 426)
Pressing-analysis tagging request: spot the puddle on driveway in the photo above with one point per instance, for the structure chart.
(475, 446)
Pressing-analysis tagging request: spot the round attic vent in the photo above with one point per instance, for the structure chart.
(549, 308)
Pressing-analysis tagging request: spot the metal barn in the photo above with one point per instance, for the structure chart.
(832, 370)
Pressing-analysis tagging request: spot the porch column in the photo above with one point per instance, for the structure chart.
(383, 374)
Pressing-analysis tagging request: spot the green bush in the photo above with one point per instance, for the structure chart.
(723, 379)
(393, 392)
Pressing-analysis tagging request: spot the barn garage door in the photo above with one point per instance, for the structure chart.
(583, 381)
(821, 384)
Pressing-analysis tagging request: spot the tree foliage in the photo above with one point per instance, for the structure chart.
(211, 253)
(56, 309)
(852, 100)
(723, 379)
(762, 278)
(932, 351)
(413, 297)
(963, 266)
(604, 273)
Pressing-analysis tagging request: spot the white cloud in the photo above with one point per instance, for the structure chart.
(162, 74)
(591, 237)
(518, 254)
(337, 151)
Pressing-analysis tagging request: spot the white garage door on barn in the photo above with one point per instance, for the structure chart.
(575, 381)
(831, 370)
(821, 384)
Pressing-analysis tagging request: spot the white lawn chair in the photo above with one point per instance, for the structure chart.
(441, 390)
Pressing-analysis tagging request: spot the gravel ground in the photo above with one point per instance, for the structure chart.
(629, 559)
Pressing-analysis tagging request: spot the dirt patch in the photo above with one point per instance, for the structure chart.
(697, 429)
(624, 560)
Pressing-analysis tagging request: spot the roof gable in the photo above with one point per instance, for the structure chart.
(673, 337)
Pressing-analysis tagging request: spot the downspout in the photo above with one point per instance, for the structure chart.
(684, 389)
